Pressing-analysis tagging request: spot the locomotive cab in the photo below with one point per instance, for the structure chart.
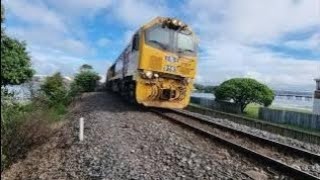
(159, 65)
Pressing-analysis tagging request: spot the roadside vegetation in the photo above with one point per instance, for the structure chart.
(26, 124)
(85, 80)
(244, 91)
(252, 110)
(204, 89)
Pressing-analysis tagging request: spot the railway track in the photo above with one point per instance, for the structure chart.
(292, 161)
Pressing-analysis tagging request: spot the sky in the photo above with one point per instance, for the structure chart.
(275, 42)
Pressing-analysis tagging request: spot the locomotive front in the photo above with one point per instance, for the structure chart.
(167, 64)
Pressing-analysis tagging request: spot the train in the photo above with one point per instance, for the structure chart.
(158, 66)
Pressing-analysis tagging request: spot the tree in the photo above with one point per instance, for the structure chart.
(86, 67)
(86, 79)
(244, 91)
(15, 61)
(204, 89)
(2, 20)
(54, 89)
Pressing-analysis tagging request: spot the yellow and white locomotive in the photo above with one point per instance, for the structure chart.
(158, 66)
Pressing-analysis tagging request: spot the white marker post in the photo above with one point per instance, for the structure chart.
(81, 129)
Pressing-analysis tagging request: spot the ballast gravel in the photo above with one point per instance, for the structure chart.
(264, 134)
(123, 141)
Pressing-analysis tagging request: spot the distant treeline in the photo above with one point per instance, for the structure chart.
(204, 89)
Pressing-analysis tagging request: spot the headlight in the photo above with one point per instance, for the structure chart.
(156, 75)
(175, 22)
(170, 68)
(149, 74)
(187, 81)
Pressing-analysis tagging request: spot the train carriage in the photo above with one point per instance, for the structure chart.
(158, 66)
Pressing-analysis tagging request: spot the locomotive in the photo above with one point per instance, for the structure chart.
(158, 66)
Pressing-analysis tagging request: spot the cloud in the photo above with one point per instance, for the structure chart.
(231, 31)
(227, 60)
(261, 21)
(48, 61)
(55, 34)
(44, 36)
(233, 35)
(312, 43)
(82, 8)
(136, 12)
(35, 12)
(103, 42)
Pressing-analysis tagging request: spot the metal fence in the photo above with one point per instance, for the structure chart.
(217, 105)
(305, 120)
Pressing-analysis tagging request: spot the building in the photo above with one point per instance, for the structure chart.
(316, 100)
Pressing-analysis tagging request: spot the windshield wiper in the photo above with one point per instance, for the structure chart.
(163, 46)
(185, 50)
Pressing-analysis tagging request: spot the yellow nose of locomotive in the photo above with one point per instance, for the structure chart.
(166, 80)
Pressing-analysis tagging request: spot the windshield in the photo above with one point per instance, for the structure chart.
(159, 36)
(185, 43)
(171, 40)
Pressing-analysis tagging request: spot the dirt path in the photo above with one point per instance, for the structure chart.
(127, 142)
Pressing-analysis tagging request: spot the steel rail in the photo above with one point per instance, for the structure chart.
(286, 169)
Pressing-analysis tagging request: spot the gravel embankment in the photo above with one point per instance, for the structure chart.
(127, 142)
(264, 134)
(310, 166)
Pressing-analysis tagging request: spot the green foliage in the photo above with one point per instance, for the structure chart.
(24, 125)
(252, 110)
(2, 20)
(15, 61)
(2, 13)
(85, 81)
(11, 119)
(205, 89)
(55, 90)
(86, 67)
(244, 91)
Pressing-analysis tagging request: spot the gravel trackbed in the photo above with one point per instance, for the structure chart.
(123, 141)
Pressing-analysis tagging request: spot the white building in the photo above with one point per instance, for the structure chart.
(316, 100)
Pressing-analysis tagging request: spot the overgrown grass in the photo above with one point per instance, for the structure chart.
(23, 126)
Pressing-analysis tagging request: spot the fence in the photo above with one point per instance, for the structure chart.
(302, 135)
(305, 120)
(217, 105)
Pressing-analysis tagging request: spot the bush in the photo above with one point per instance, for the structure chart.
(11, 120)
(244, 91)
(85, 81)
(23, 126)
(13, 117)
(15, 62)
(55, 90)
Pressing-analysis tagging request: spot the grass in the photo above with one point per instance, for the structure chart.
(26, 125)
(292, 109)
(252, 111)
